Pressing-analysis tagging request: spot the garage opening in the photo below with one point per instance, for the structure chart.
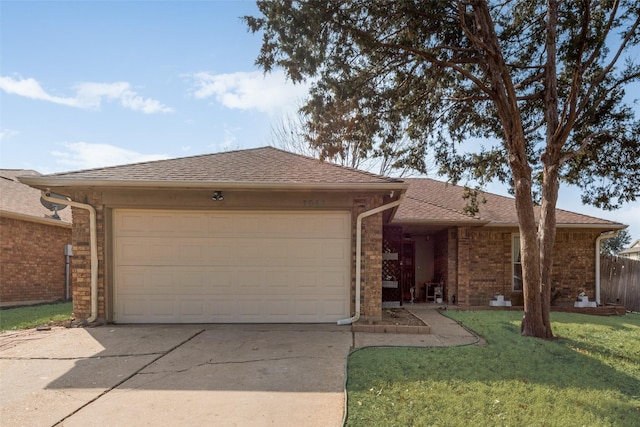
(232, 266)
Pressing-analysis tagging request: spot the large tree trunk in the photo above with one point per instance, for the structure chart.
(535, 322)
(546, 238)
(550, 161)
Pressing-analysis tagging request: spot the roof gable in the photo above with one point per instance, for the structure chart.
(253, 167)
(431, 201)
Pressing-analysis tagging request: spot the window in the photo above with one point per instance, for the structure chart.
(516, 261)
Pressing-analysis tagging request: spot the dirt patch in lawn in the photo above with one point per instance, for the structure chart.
(399, 316)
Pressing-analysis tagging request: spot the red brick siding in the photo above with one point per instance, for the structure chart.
(371, 267)
(490, 270)
(81, 261)
(32, 262)
(573, 266)
(489, 266)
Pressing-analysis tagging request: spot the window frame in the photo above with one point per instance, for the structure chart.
(515, 237)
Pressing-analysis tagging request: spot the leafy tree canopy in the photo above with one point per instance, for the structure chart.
(530, 92)
(616, 244)
(386, 70)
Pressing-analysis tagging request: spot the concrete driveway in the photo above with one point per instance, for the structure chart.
(227, 375)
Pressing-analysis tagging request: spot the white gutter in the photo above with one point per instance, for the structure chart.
(362, 215)
(93, 249)
(602, 236)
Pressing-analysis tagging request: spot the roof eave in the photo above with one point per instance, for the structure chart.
(435, 222)
(601, 226)
(37, 219)
(44, 183)
(485, 223)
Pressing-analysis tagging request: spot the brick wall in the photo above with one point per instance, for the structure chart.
(573, 266)
(32, 262)
(371, 267)
(81, 260)
(490, 270)
(489, 265)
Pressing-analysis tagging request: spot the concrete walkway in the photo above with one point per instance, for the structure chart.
(444, 332)
(174, 375)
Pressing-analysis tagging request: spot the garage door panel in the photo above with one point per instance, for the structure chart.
(174, 266)
(221, 280)
(209, 280)
(333, 251)
(194, 308)
(221, 308)
(189, 225)
(138, 309)
(136, 251)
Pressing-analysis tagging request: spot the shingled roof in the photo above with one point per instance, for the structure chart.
(258, 167)
(429, 201)
(22, 200)
(426, 201)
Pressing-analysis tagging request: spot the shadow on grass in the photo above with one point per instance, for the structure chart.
(591, 374)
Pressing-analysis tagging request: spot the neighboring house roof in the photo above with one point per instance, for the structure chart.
(21, 201)
(428, 201)
(265, 167)
(633, 249)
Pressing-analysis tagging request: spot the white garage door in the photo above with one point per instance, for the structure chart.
(231, 267)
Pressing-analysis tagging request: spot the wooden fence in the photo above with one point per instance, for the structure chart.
(620, 281)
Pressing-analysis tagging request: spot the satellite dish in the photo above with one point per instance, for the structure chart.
(52, 206)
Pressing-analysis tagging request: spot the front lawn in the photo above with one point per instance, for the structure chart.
(32, 316)
(590, 376)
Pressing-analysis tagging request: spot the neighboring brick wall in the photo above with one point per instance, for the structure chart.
(490, 270)
(81, 260)
(32, 262)
(371, 268)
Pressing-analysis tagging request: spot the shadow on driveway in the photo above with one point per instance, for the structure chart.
(175, 375)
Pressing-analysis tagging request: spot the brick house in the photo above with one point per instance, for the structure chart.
(32, 241)
(263, 235)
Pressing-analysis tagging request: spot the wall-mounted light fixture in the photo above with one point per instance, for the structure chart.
(217, 196)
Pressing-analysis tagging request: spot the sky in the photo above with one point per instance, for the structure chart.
(86, 84)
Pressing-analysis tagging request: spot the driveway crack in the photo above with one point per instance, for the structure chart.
(83, 357)
(160, 356)
(211, 362)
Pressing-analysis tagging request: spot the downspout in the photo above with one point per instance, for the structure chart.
(600, 238)
(363, 215)
(93, 249)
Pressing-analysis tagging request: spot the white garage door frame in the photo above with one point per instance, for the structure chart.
(231, 266)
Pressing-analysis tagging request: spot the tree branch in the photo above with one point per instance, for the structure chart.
(583, 146)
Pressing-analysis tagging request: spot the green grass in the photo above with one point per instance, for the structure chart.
(589, 376)
(32, 316)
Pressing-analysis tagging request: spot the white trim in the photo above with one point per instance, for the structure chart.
(513, 264)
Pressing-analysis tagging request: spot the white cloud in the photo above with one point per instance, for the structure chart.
(83, 155)
(250, 90)
(88, 95)
(7, 133)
